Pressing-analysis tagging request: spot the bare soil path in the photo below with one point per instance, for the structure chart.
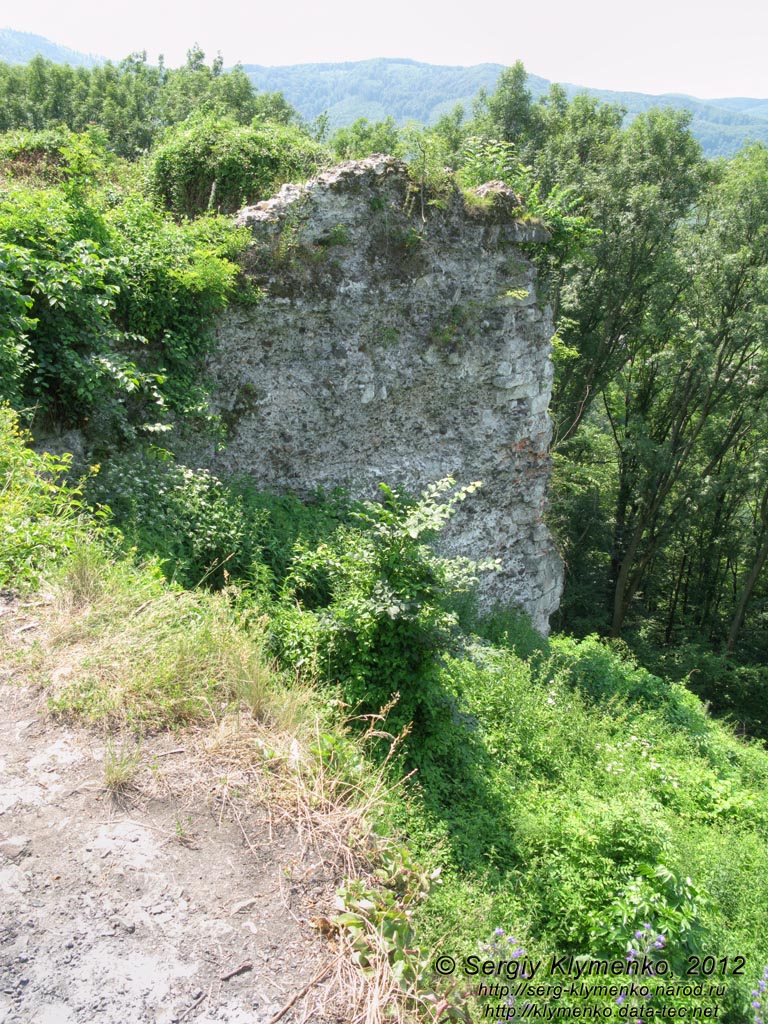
(153, 907)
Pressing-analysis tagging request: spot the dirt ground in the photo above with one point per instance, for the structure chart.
(164, 903)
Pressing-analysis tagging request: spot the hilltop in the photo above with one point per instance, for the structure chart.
(409, 90)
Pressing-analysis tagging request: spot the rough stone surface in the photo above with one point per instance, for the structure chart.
(399, 340)
(15, 848)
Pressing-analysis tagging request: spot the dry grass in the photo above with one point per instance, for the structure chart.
(117, 647)
(317, 783)
(124, 649)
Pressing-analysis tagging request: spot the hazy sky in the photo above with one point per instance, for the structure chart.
(704, 48)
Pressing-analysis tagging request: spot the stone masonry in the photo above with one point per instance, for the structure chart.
(398, 339)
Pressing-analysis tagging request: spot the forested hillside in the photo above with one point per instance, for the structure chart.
(409, 90)
(22, 47)
(575, 792)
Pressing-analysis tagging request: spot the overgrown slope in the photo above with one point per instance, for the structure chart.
(562, 795)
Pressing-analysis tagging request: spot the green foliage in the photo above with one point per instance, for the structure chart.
(675, 905)
(487, 160)
(204, 531)
(730, 688)
(210, 162)
(173, 279)
(375, 597)
(42, 518)
(195, 524)
(377, 923)
(587, 781)
(291, 524)
(364, 138)
(36, 155)
(132, 102)
(503, 626)
(660, 493)
(105, 301)
(63, 350)
(432, 182)
(274, 108)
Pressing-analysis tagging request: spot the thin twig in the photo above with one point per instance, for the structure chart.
(240, 824)
(247, 965)
(144, 824)
(194, 1006)
(137, 611)
(302, 992)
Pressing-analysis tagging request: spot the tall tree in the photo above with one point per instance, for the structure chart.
(686, 399)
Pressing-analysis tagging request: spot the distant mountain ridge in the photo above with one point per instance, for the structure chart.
(411, 90)
(21, 47)
(407, 89)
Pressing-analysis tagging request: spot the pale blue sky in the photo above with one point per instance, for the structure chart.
(705, 48)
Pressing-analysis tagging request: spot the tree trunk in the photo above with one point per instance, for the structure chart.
(741, 608)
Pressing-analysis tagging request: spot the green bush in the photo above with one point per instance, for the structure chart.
(375, 599)
(104, 302)
(213, 163)
(286, 523)
(60, 347)
(196, 525)
(34, 155)
(201, 528)
(42, 518)
(173, 279)
(732, 689)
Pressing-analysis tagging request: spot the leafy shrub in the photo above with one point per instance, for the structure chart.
(41, 516)
(105, 305)
(201, 528)
(212, 163)
(558, 207)
(60, 346)
(364, 138)
(194, 523)
(735, 690)
(36, 155)
(377, 595)
(284, 523)
(673, 904)
(173, 279)
(505, 626)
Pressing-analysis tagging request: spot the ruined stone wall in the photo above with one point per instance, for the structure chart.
(398, 341)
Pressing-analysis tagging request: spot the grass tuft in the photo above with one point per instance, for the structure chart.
(121, 766)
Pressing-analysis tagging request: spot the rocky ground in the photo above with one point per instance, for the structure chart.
(160, 902)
